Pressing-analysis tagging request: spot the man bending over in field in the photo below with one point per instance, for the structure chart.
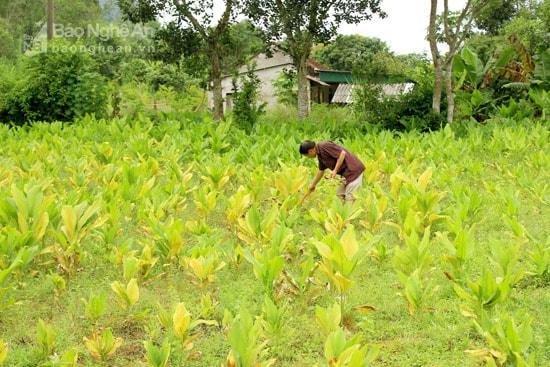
(340, 161)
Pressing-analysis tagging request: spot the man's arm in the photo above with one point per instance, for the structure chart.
(339, 163)
(316, 180)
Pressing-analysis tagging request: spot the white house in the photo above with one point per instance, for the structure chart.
(325, 85)
(268, 70)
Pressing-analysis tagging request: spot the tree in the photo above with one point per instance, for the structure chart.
(20, 20)
(349, 52)
(199, 14)
(7, 43)
(23, 19)
(494, 16)
(531, 26)
(246, 110)
(456, 27)
(301, 24)
(54, 86)
(244, 41)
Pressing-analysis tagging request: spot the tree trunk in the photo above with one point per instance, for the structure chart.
(50, 20)
(216, 85)
(438, 85)
(449, 89)
(217, 98)
(436, 57)
(303, 89)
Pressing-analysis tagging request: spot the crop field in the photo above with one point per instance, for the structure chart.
(185, 242)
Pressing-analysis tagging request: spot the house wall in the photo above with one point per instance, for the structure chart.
(267, 70)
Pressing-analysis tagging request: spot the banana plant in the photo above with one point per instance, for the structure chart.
(203, 267)
(45, 338)
(460, 251)
(168, 237)
(416, 255)
(471, 89)
(157, 356)
(205, 200)
(509, 342)
(216, 174)
(482, 295)
(159, 203)
(412, 195)
(328, 318)
(102, 345)
(255, 230)
(27, 211)
(339, 215)
(247, 348)
(343, 352)
(377, 207)
(413, 268)
(304, 285)
(236, 206)
(418, 291)
(506, 260)
(275, 323)
(183, 326)
(139, 267)
(540, 259)
(268, 265)
(4, 348)
(76, 222)
(340, 258)
(127, 296)
(133, 184)
(288, 181)
(68, 359)
(94, 306)
(23, 256)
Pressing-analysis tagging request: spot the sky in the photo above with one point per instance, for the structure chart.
(404, 28)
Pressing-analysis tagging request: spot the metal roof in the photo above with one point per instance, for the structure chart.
(344, 92)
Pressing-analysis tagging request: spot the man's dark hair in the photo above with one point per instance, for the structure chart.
(306, 146)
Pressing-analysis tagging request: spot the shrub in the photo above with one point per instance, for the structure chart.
(60, 84)
(410, 111)
(246, 110)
